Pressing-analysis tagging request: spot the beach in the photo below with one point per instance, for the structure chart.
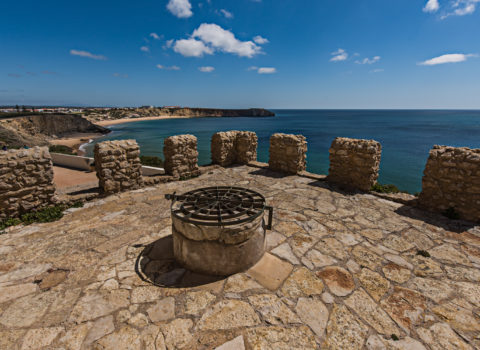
(131, 120)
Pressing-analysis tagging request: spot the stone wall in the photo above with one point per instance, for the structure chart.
(26, 181)
(181, 156)
(118, 166)
(288, 153)
(354, 163)
(234, 147)
(452, 180)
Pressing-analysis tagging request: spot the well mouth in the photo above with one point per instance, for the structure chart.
(219, 230)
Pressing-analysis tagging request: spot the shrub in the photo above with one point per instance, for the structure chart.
(48, 214)
(389, 188)
(61, 149)
(151, 161)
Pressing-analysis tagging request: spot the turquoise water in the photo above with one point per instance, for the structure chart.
(406, 135)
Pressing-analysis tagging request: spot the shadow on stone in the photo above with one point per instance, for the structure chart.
(269, 173)
(156, 265)
(345, 191)
(435, 219)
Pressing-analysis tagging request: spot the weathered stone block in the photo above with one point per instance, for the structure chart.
(22, 184)
(115, 171)
(288, 153)
(234, 147)
(452, 180)
(181, 156)
(354, 163)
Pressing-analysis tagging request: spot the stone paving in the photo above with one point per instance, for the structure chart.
(343, 271)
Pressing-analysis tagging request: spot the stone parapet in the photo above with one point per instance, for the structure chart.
(26, 181)
(288, 153)
(118, 166)
(234, 147)
(354, 163)
(181, 156)
(451, 181)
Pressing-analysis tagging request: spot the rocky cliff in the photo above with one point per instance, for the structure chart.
(36, 130)
(120, 113)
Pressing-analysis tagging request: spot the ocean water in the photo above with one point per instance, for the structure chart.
(406, 135)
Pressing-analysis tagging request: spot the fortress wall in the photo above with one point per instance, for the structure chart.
(118, 166)
(181, 156)
(354, 163)
(26, 181)
(288, 153)
(452, 180)
(234, 147)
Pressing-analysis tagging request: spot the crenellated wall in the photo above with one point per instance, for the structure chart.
(181, 156)
(234, 147)
(26, 181)
(452, 180)
(354, 163)
(288, 153)
(118, 166)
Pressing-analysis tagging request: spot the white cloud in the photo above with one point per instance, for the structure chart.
(87, 54)
(449, 58)
(339, 55)
(180, 8)
(252, 68)
(119, 75)
(145, 49)
(159, 66)
(431, 6)
(224, 40)
(155, 36)
(168, 44)
(266, 70)
(207, 69)
(378, 70)
(369, 60)
(260, 40)
(192, 48)
(226, 13)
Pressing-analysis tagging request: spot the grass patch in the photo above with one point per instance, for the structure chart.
(451, 213)
(389, 188)
(153, 161)
(48, 214)
(61, 149)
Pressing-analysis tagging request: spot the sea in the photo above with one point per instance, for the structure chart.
(406, 136)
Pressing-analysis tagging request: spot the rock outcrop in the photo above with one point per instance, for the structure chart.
(37, 130)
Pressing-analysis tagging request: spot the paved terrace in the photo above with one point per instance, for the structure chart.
(342, 272)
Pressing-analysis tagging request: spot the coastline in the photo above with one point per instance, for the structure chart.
(132, 120)
(77, 141)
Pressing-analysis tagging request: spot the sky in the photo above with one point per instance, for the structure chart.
(343, 54)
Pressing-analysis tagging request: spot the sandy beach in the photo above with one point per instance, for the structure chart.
(132, 120)
(76, 140)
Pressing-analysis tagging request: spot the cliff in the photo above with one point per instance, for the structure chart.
(37, 130)
(120, 113)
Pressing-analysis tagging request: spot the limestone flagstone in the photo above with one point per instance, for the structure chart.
(103, 276)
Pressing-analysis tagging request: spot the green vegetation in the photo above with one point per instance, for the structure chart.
(61, 149)
(395, 337)
(451, 213)
(48, 214)
(389, 188)
(423, 253)
(151, 161)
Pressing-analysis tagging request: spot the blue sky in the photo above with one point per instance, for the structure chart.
(242, 53)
